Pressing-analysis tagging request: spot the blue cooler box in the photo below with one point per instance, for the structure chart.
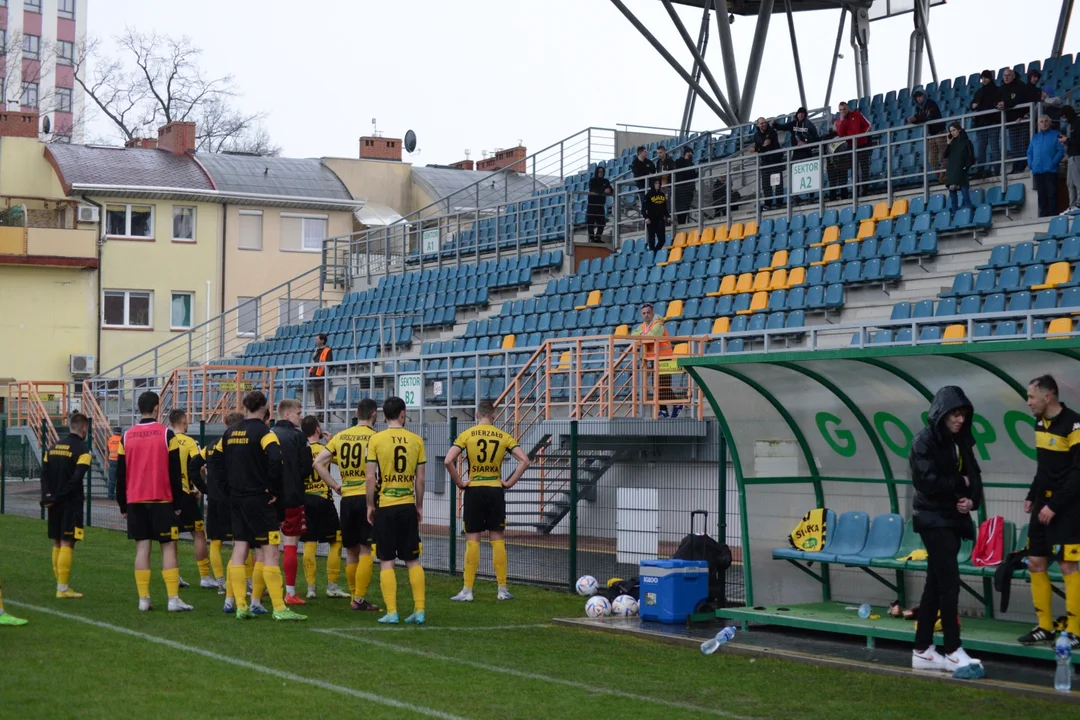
(672, 589)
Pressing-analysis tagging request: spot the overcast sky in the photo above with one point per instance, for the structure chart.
(481, 74)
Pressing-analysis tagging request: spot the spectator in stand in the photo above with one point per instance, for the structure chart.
(665, 164)
(926, 112)
(1015, 96)
(767, 146)
(1071, 141)
(685, 176)
(1044, 155)
(959, 156)
(641, 167)
(1051, 105)
(988, 136)
(849, 123)
(803, 132)
(596, 210)
(657, 216)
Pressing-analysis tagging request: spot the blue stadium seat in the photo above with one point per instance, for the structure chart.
(922, 309)
(849, 536)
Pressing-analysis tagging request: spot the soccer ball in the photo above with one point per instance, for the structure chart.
(597, 606)
(624, 606)
(587, 585)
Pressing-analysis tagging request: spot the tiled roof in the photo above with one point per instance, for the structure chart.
(129, 167)
(286, 177)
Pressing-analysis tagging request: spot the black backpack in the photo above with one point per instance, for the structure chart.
(699, 546)
(621, 587)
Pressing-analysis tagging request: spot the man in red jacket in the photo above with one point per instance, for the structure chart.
(849, 123)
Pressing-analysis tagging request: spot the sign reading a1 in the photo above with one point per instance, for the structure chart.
(806, 176)
(429, 241)
(410, 388)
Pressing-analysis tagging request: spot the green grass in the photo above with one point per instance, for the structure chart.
(61, 668)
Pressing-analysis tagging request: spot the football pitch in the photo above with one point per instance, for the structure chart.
(100, 657)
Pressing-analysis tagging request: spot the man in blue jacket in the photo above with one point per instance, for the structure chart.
(1044, 155)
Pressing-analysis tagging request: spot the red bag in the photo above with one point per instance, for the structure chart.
(990, 544)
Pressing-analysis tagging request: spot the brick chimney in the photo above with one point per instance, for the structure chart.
(142, 143)
(177, 137)
(514, 159)
(380, 148)
(18, 124)
(464, 165)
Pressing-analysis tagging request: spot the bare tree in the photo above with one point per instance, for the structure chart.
(153, 79)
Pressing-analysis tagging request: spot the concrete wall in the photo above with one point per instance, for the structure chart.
(380, 181)
(24, 170)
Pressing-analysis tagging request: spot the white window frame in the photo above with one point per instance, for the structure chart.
(194, 218)
(32, 6)
(31, 46)
(127, 221)
(296, 310)
(63, 58)
(191, 309)
(240, 302)
(61, 11)
(127, 309)
(63, 99)
(303, 240)
(239, 234)
(27, 89)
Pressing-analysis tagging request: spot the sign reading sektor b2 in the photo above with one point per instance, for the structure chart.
(410, 388)
(806, 176)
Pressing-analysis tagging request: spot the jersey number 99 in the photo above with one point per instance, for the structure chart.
(352, 456)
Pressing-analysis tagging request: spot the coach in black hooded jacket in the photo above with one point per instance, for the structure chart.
(296, 463)
(948, 489)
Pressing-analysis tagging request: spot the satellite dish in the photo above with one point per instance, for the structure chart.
(410, 141)
(46, 125)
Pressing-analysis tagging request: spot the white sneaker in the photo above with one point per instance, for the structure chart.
(184, 583)
(312, 592)
(208, 582)
(221, 586)
(333, 590)
(959, 659)
(464, 596)
(178, 605)
(929, 659)
(504, 593)
(144, 604)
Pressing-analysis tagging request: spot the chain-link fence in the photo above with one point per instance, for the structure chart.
(598, 496)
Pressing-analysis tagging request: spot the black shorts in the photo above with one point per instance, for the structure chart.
(191, 519)
(322, 520)
(153, 521)
(397, 533)
(255, 521)
(1060, 539)
(66, 520)
(484, 509)
(355, 528)
(218, 520)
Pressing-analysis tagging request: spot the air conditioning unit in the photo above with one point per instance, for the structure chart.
(88, 214)
(82, 365)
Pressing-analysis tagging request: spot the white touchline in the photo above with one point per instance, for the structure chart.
(280, 674)
(429, 628)
(528, 675)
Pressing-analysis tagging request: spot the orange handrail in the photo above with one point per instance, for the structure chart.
(210, 392)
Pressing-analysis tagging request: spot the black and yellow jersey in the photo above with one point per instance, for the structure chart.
(188, 448)
(349, 449)
(63, 468)
(485, 446)
(213, 458)
(1057, 448)
(252, 459)
(397, 452)
(313, 484)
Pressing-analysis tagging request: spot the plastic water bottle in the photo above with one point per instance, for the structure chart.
(864, 610)
(1063, 674)
(709, 646)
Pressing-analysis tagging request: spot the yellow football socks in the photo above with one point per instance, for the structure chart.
(310, 566)
(364, 571)
(1072, 602)
(1042, 595)
(249, 566)
(472, 562)
(388, 583)
(333, 563)
(258, 582)
(63, 567)
(238, 585)
(172, 581)
(498, 559)
(142, 583)
(204, 567)
(216, 561)
(55, 557)
(416, 580)
(274, 586)
(350, 577)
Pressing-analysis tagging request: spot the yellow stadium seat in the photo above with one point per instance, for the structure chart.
(866, 230)
(721, 234)
(900, 207)
(881, 211)
(831, 234)
(681, 349)
(708, 236)
(832, 254)
(622, 331)
(761, 280)
(737, 232)
(779, 280)
(727, 286)
(673, 257)
(564, 362)
(1060, 326)
(1057, 274)
(779, 258)
(594, 299)
(508, 342)
(674, 309)
(745, 284)
(750, 228)
(721, 325)
(760, 301)
(797, 276)
(679, 241)
(955, 332)
(693, 238)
